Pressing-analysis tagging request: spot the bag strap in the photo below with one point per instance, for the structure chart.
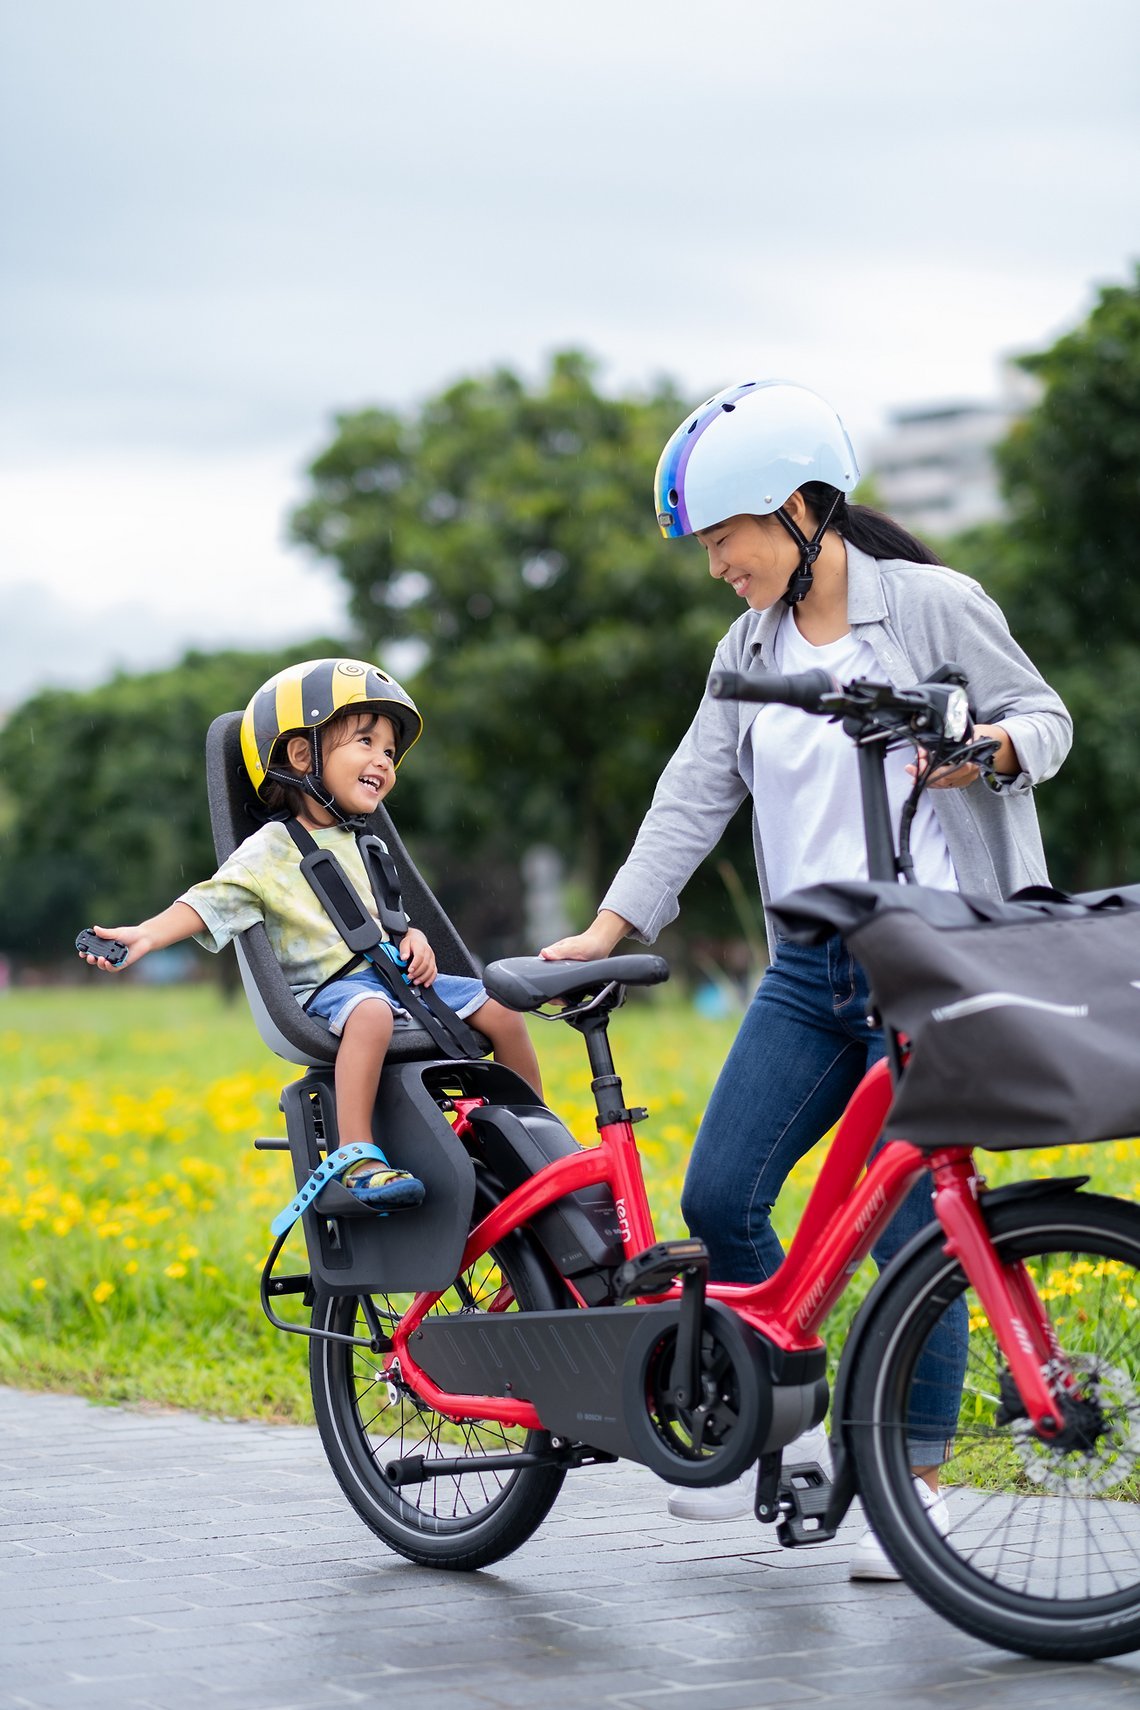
(340, 901)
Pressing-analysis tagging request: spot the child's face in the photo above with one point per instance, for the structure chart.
(361, 769)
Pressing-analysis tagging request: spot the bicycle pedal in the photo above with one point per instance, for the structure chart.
(654, 1270)
(804, 1493)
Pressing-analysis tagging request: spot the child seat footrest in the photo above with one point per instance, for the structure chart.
(334, 1165)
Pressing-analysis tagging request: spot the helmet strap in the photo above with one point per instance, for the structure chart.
(800, 581)
(311, 784)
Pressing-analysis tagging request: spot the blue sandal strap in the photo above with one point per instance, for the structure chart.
(334, 1165)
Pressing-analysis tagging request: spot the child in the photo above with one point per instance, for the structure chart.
(322, 740)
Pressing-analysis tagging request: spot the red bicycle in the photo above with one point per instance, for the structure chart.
(560, 1332)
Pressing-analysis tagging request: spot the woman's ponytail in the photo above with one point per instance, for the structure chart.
(872, 532)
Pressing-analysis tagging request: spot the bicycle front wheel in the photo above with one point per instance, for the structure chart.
(1038, 1547)
(368, 1416)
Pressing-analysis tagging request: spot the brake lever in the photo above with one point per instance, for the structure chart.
(981, 753)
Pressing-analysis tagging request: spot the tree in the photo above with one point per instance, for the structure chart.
(1061, 567)
(508, 532)
(103, 815)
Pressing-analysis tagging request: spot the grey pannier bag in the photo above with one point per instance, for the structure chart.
(1023, 1016)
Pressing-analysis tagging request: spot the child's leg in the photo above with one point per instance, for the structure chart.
(510, 1041)
(359, 1059)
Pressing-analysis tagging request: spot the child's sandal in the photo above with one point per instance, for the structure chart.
(380, 1186)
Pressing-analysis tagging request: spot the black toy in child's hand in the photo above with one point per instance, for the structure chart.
(89, 943)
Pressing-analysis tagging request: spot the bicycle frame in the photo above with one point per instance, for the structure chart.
(851, 1202)
(855, 1196)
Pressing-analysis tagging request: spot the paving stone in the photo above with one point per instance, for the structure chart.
(190, 1564)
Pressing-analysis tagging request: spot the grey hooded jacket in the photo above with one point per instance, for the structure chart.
(916, 617)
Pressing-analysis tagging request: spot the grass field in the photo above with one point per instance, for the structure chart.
(134, 1212)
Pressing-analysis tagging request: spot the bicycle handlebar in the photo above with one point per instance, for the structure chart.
(934, 712)
(805, 689)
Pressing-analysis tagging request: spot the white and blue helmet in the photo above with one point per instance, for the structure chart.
(745, 452)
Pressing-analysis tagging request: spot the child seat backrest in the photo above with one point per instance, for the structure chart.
(282, 1023)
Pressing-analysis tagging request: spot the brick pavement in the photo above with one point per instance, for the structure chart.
(158, 1561)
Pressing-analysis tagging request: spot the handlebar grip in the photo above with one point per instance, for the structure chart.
(803, 689)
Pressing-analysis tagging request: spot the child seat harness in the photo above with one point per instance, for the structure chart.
(339, 899)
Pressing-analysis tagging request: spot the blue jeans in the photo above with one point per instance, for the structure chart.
(802, 1049)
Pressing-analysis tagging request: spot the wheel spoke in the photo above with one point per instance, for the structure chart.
(370, 1417)
(1042, 1553)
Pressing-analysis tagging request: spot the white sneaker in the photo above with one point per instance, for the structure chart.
(716, 1502)
(733, 1501)
(869, 1560)
(810, 1446)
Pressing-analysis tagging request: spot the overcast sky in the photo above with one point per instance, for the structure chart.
(224, 221)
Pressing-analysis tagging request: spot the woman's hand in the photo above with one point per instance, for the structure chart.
(135, 937)
(596, 942)
(419, 956)
(958, 777)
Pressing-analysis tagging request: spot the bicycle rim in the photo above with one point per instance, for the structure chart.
(1042, 1551)
(368, 1417)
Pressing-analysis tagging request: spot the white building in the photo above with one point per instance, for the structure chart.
(934, 468)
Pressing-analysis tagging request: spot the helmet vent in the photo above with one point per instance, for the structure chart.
(672, 495)
(692, 425)
(728, 407)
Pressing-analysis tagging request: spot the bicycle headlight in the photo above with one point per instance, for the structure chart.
(956, 720)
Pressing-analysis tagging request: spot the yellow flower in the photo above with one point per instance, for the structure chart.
(102, 1291)
(131, 1267)
(39, 1283)
(175, 1270)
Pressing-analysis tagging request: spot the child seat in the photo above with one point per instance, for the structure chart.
(351, 1250)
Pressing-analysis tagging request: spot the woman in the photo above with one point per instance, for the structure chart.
(759, 474)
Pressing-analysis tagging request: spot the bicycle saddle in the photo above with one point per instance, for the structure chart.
(527, 982)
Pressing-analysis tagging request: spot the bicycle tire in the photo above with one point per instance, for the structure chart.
(1042, 1554)
(461, 1522)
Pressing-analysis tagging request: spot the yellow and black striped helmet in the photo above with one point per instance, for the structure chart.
(306, 696)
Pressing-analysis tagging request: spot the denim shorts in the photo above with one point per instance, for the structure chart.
(337, 1001)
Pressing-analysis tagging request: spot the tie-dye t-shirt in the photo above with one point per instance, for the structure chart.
(262, 881)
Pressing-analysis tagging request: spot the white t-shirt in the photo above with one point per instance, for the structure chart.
(806, 781)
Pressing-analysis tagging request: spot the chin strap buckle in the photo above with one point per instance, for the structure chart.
(800, 581)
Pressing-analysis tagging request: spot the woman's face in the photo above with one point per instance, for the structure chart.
(755, 556)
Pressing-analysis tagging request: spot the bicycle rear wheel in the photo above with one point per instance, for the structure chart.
(1042, 1554)
(367, 1416)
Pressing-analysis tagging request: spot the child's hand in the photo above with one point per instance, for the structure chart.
(419, 956)
(134, 937)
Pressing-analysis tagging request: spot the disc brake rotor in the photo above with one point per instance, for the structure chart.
(1106, 1454)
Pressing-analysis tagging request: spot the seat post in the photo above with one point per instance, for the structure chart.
(605, 1084)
